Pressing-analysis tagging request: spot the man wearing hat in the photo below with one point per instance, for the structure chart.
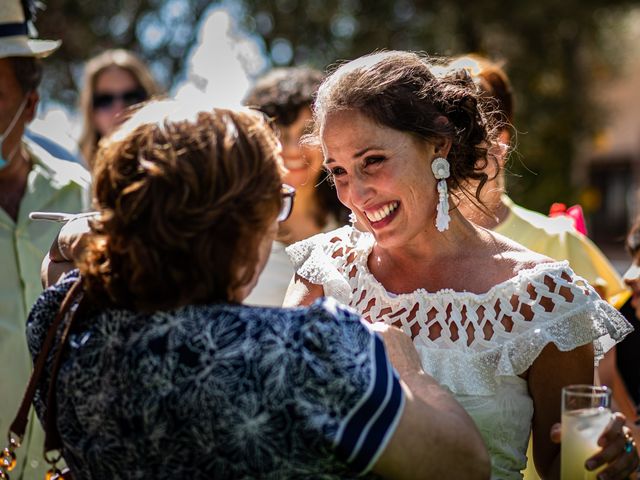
(30, 179)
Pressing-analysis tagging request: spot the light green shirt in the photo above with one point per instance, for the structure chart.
(558, 239)
(52, 185)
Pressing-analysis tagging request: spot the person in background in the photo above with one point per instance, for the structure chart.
(491, 320)
(620, 369)
(628, 359)
(556, 237)
(169, 375)
(113, 81)
(285, 95)
(30, 179)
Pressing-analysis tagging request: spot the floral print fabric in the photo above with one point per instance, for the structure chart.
(220, 391)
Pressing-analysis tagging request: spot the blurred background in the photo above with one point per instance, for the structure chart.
(575, 67)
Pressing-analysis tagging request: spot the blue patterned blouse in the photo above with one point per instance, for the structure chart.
(220, 391)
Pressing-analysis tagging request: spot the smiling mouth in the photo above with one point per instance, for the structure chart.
(297, 164)
(382, 213)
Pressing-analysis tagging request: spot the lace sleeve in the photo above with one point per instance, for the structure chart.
(319, 260)
(546, 305)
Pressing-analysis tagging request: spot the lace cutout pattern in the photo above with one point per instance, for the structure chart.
(499, 332)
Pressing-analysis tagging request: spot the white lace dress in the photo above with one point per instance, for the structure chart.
(476, 345)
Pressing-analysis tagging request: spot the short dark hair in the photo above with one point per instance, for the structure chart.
(28, 72)
(283, 92)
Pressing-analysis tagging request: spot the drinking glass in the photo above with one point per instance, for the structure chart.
(586, 411)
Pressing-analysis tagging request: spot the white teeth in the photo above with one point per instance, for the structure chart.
(382, 212)
(295, 164)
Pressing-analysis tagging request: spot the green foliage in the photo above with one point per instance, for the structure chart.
(550, 50)
(553, 52)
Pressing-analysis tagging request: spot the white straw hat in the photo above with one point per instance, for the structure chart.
(14, 33)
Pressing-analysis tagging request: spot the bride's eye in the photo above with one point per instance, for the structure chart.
(337, 171)
(373, 160)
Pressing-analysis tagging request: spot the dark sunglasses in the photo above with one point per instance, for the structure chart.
(288, 194)
(106, 100)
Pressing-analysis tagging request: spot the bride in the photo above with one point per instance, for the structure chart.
(502, 327)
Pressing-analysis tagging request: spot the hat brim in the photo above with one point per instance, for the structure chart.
(20, 47)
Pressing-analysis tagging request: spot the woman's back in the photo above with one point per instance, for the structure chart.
(213, 390)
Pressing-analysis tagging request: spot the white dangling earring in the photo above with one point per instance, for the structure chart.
(440, 169)
(353, 219)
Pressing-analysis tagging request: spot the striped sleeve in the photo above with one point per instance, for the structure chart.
(365, 432)
(355, 393)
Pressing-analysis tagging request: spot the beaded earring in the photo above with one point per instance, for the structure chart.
(440, 169)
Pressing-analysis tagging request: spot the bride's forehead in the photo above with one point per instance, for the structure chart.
(355, 130)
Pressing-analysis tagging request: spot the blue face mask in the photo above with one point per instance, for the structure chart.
(5, 134)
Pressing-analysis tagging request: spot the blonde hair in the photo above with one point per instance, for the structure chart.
(119, 58)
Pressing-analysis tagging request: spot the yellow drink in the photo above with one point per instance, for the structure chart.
(580, 432)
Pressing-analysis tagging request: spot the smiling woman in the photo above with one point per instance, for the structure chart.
(490, 319)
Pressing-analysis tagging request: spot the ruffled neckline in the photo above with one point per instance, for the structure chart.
(364, 245)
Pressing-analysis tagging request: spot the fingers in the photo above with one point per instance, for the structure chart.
(613, 431)
(71, 240)
(608, 454)
(556, 433)
(618, 451)
(52, 271)
(623, 467)
(60, 251)
(399, 347)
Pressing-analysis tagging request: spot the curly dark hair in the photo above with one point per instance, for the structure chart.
(184, 200)
(399, 90)
(494, 84)
(282, 94)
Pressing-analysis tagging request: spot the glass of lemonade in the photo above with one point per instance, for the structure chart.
(586, 411)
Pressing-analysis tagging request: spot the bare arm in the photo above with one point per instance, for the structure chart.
(64, 251)
(545, 388)
(302, 292)
(435, 437)
(551, 371)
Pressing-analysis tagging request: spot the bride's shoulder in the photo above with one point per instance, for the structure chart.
(517, 256)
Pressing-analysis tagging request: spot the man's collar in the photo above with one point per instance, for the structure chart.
(59, 173)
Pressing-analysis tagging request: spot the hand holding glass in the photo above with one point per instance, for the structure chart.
(586, 411)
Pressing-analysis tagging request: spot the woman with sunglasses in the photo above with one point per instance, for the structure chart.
(114, 80)
(167, 374)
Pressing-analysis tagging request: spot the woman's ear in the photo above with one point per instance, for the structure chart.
(441, 146)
